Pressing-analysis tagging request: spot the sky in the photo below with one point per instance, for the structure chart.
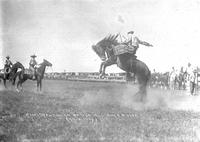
(63, 31)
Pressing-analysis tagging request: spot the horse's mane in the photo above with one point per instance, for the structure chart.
(108, 40)
(105, 44)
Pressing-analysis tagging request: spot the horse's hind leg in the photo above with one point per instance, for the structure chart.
(17, 87)
(4, 82)
(40, 85)
(142, 88)
(128, 77)
(143, 92)
(22, 89)
(19, 83)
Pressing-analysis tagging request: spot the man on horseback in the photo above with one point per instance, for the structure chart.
(133, 42)
(7, 66)
(111, 47)
(32, 65)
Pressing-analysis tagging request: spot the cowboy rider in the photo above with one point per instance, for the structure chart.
(8, 64)
(134, 41)
(32, 65)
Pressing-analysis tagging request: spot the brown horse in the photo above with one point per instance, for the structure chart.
(9, 76)
(126, 61)
(39, 75)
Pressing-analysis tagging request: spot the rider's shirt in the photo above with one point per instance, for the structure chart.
(129, 40)
(32, 63)
(8, 63)
(135, 41)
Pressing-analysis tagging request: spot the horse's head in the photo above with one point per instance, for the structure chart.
(46, 63)
(17, 65)
(104, 46)
(100, 51)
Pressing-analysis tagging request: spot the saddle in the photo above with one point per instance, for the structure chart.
(30, 72)
(123, 48)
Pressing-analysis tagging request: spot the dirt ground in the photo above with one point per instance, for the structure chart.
(94, 111)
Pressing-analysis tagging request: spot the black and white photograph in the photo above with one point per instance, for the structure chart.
(99, 70)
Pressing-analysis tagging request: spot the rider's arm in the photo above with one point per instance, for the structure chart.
(143, 42)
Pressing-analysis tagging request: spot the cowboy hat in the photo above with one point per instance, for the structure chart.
(33, 56)
(7, 57)
(131, 32)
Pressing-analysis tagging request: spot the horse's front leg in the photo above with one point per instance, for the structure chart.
(104, 68)
(106, 64)
(100, 70)
(37, 86)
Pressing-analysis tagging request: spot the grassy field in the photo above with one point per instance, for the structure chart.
(87, 111)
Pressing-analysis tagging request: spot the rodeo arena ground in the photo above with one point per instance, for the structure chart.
(137, 105)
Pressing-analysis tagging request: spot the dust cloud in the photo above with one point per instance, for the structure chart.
(156, 99)
(162, 99)
(100, 97)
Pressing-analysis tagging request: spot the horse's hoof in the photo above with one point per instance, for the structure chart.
(100, 76)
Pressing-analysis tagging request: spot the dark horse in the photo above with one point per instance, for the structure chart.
(39, 75)
(126, 62)
(9, 76)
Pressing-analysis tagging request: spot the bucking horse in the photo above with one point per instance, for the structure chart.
(23, 76)
(126, 61)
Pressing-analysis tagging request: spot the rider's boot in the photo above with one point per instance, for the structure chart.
(33, 76)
